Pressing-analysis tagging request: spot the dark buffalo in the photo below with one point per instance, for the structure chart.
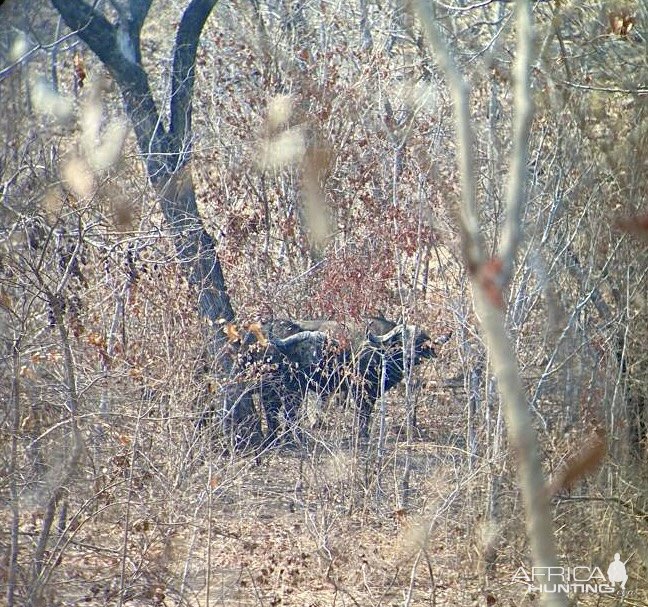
(362, 366)
(282, 360)
(264, 371)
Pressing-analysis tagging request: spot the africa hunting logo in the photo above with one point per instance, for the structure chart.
(580, 579)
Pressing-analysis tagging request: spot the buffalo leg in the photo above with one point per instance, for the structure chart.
(365, 404)
(240, 419)
(364, 416)
(292, 403)
(272, 406)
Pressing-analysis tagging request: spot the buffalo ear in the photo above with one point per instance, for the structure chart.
(443, 339)
(368, 333)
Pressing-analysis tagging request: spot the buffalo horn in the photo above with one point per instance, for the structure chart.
(382, 339)
(297, 338)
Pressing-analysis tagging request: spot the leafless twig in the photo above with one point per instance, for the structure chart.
(490, 277)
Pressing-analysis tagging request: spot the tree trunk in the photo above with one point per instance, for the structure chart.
(166, 151)
(194, 245)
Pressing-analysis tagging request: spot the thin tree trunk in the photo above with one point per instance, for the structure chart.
(490, 277)
(13, 471)
(166, 151)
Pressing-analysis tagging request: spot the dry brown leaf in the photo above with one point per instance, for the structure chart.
(621, 22)
(255, 329)
(637, 225)
(489, 278)
(79, 69)
(231, 333)
(96, 339)
(5, 300)
(585, 461)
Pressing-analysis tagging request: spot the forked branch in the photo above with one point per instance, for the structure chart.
(490, 276)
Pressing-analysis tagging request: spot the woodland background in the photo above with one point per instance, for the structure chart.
(323, 155)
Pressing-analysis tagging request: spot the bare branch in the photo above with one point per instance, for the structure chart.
(640, 92)
(522, 117)
(94, 29)
(473, 240)
(487, 279)
(191, 25)
(27, 55)
(107, 42)
(523, 438)
(118, 49)
(132, 17)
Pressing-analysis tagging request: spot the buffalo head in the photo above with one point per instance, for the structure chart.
(401, 337)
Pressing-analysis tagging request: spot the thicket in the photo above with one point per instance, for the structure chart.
(324, 160)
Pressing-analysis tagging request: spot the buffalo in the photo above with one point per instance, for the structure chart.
(282, 360)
